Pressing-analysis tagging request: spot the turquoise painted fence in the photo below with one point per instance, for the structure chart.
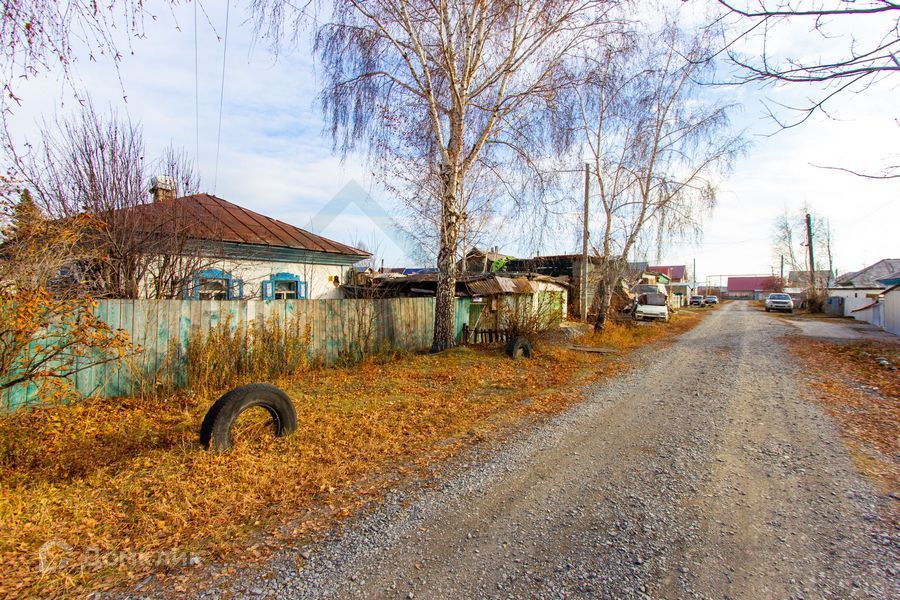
(156, 325)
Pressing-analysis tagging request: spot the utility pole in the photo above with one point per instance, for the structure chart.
(782, 269)
(584, 243)
(695, 276)
(812, 261)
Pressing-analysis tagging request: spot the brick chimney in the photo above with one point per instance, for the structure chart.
(162, 188)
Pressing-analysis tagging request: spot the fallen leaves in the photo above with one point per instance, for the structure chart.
(861, 395)
(127, 475)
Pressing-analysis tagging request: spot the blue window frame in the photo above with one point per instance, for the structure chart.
(214, 284)
(283, 286)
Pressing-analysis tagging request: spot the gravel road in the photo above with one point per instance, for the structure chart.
(840, 329)
(702, 473)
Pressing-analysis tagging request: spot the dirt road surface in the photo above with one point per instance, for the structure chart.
(841, 329)
(702, 473)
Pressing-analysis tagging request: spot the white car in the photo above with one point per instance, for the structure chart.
(651, 307)
(779, 302)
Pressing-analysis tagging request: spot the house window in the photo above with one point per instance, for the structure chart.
(214, 284)
(285, 290)
(283, 286)
(212, 288)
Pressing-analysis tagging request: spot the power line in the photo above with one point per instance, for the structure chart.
(870, 213)
(196, 87)
(221, 96)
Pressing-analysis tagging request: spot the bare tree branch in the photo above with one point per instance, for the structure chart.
(446, 100)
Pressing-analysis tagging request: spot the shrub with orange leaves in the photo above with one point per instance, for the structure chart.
(44, 340)
(47, 333)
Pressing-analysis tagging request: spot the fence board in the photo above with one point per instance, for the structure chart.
(160, 327)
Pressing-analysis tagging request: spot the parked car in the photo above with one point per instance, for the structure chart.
(651, 307)
(698, 301)
(779, 302)
(712, 299)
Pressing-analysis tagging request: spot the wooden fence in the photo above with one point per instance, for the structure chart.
(480, 335)
(158, 326)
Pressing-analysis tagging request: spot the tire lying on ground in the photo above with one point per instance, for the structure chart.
(518, 347)
(215, 432)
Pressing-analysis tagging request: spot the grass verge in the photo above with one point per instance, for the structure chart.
(862, 396)
(115, 490)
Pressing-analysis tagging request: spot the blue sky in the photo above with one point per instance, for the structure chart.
(275, 158)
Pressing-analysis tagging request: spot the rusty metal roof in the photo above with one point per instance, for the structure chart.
(211, 218)
(499, 285)
(479, 284)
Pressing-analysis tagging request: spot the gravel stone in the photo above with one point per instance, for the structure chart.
(700, 473)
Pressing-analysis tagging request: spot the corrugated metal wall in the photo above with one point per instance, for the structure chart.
(154, 325)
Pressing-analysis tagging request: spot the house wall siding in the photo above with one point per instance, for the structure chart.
(873, 314)
(853, 298)
(549, 286)
(892, 311)
(254, 272)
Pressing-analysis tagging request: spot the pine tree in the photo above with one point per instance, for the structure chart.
(27, 218)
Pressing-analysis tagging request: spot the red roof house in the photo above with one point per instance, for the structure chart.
(676, 273)
(747, 286)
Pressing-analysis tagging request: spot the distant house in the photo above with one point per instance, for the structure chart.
(569, 267)
(861, 288)
(869, 276)
(750, 287)
(564, 267)
(800, 279)
(249, 255)
(680, 289)
(675, 273)
(890, 280)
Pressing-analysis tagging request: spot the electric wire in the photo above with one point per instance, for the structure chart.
(221, 96)
(196, 87)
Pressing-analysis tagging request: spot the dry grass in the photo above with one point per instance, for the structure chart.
(108, 477)
(862, 396)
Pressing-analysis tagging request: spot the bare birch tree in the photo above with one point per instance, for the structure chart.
(867, 33)
(655, 146)
(37, 36)
(785, 244)
(442, 90)
(789, 241)
(836, 47)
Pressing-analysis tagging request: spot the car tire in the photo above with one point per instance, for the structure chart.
(215, 432)
(518, 347)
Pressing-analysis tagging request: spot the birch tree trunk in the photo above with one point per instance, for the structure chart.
(445, 294)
